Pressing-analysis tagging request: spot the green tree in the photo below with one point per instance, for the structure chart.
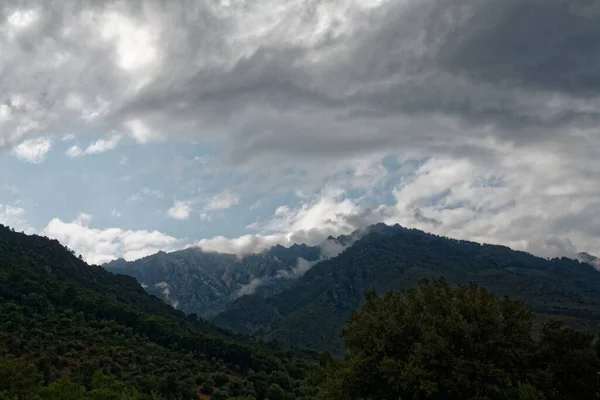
(435, 342)
(63, 389)
(207, 386)
(221, 394)
(18, 379)
(567, 363)
(108, 388)
(220, 379)
(274, 392)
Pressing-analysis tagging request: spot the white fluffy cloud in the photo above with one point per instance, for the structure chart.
(33, 150)
(311, 223)
(98, 246)
(14, 217)
(180, 210)
(245, 244)
(222, 201)
(529, 204)
(99, 146)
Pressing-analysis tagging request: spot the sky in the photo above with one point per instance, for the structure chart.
(137, 126)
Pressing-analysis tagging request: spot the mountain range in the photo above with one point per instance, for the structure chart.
(312, 313)
(69, 328)
(302, 296)
(206, 283)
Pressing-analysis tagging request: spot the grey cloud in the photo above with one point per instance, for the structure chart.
(542, 45)
(166, 292)
(250, 287)
(342, 223)
(301, 267)
(329, 248)
(161, 285)
(365, 216)
(480, 80)
(526, 67)
(585, 219)
(589, 259)
(418, 215)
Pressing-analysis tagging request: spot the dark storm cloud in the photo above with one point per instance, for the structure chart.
(424, 76)
(537, 44)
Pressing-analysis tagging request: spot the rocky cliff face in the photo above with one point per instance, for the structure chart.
(206, 283)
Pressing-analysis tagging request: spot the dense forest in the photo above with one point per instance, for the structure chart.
(312, 313)
(61, 318)
(71, 331)
(440, 342)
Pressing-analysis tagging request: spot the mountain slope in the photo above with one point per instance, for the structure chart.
(206, 283)
(311, 314)
(62, 317)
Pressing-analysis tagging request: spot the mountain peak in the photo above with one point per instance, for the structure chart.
(311, 313)
(589, 259)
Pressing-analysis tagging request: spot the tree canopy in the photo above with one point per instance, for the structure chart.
(440, 342)
(73, 331)
(70, 331)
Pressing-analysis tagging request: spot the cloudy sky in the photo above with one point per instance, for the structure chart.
(129, 127)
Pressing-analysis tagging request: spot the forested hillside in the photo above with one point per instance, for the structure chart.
(312, 313)
(71, 331)
(61, 318)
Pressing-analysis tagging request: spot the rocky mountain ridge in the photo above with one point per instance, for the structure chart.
(206, 283)
(311, 314)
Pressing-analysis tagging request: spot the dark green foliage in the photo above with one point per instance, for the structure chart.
(25, 385)
(568, 365)
(18, 378)
(274, 392)
(207, 386)
(221, 394)
(311, 314)
(69, 331)
(63, 389)
(61, 318)
(257, 312)
(220, 379)
(459, 344)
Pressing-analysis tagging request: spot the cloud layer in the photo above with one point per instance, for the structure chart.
(102, 245)
(489, 107)
(420, 74)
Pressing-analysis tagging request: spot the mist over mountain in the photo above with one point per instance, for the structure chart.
(589, 259)
(206, 283)
(302, 295)
(311, 313)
